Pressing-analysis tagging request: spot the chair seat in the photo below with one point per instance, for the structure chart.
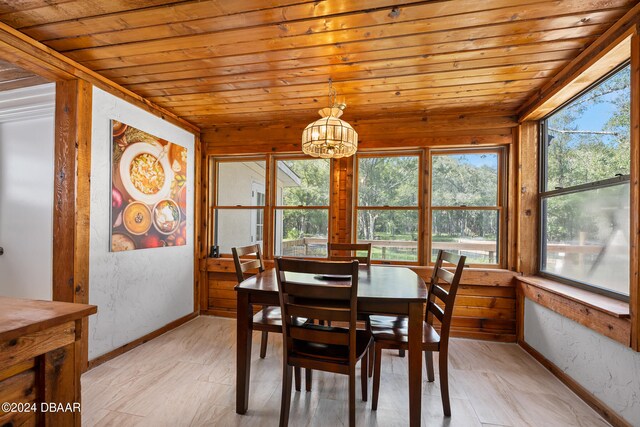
(329, 352)
(270, 319)
(395, 330)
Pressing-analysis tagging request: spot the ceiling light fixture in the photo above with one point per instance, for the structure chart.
(330, 137)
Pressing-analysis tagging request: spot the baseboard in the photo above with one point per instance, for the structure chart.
(133, 344)
(598, 405)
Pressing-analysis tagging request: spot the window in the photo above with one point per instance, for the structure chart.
(585, 188)
(301, 210)
(239, 203)
(466, 212)
(388, 205)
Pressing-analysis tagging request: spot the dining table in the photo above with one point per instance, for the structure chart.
(382, 290)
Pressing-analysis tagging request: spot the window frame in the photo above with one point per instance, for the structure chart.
(501, 202)
(419, 206)
(272, 206)
(545, 194)
(213, 178)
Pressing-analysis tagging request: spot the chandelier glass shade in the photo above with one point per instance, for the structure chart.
(330, 137)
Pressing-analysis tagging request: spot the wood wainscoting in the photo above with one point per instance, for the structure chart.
(485, 306)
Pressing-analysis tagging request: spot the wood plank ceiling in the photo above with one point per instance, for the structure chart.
(238, 62)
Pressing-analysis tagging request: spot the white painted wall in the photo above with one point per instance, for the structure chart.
(26, 192)
(139, 291)
(608, 369)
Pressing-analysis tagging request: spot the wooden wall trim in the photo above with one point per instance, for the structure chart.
(528, 217)
(72, 181)
(612, 326)
(607, 48)
(598, 405)
(634, 274)
(32, 55)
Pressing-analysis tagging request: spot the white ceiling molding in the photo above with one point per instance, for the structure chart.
(27, 103)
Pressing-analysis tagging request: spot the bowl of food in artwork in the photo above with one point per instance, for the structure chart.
(136, 218)
(121, 242)
(166, 216)
(145, 172)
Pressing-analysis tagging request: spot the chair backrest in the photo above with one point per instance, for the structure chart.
(337, 252)
(329, 301)
(444, 310)
(242, 266)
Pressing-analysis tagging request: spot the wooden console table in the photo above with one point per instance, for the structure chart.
(40, 361)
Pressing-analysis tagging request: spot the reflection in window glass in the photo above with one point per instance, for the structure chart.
(388, 181)
(473, 233)
(464, 179)
(239, 182)
(587, 237)
(303, 182)
(588, 140)
(393, 233)
(232, 228)
(301, 232)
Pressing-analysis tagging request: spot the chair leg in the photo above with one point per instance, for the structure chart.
(371, 359)
(376, 377)
(364, 374)
(401, 353)
(263, 344)
(307, 380)
(285, 403)
(444, 383)
(428, 358)
(297, 375)
(352, 396)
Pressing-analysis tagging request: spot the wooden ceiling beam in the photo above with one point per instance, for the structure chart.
(614, 44)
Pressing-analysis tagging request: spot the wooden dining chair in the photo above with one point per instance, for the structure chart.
(337, 252)
(392, 332)
(314, 346)
(269, 318)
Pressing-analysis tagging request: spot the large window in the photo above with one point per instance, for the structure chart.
(585, 188)
(301, 211)
(466, 205)
(388, 205)
(239, 203)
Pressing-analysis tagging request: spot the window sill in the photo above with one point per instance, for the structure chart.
(600, 313)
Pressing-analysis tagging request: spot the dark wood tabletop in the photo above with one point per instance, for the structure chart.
(374, 283)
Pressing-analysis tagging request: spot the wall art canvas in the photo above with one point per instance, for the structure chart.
(148, 190)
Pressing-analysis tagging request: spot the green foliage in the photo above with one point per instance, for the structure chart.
(313, 190)
(579, 154)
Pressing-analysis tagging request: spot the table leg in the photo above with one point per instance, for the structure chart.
(415, 364)
(243, 362)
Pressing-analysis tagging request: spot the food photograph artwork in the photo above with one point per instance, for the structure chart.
(148, 190)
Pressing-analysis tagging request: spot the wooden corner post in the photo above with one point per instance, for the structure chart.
(72, 197)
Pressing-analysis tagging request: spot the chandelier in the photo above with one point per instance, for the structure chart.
(330, 137)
